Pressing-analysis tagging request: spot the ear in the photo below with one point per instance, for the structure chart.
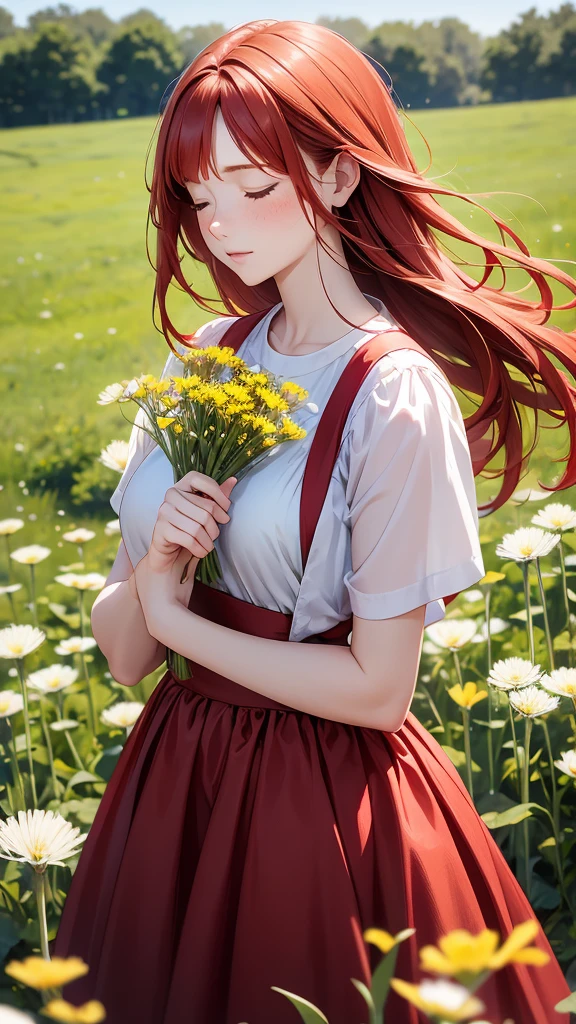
(346, 173)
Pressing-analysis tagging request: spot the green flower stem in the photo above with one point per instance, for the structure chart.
(566, 601)
(40, 890)
(525, 571)
(8, 559)
(13, 616)
(526, 798)
(489, 653)
(16, 767)
(46, 731)
(81, 611)
(24, 689)
(555, 802)
(75, 754)
(33, 595)
(91, 701)
(545, 611)
(518, 773)
(466, 723)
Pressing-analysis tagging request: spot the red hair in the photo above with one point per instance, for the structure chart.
(286, 84)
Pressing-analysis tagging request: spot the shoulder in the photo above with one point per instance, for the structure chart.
(405, 380)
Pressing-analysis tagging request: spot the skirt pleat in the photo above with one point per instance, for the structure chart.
(238, 848)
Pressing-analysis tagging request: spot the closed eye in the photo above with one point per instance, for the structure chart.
(249, 195)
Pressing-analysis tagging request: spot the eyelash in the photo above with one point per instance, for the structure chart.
(249, 195)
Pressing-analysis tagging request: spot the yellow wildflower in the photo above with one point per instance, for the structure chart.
(468, 695)
(37, 972)
(165, 421)
(169, 402)
(460, 952)
(271, 400)
(91, 1012)
(268, 442)
(379, 937)
(294, 389)
(292, 430)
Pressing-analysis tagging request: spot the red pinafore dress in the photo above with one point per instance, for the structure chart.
(242, 844)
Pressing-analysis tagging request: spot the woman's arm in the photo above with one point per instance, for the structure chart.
(119, 626)
(370, 684)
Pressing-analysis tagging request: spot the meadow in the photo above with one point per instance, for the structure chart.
(76, 316)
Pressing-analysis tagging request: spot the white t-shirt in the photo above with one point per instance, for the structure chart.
(402, 487)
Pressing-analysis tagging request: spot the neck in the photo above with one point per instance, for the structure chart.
(306, 320)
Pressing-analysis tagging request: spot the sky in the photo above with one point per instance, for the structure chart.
(487, 17)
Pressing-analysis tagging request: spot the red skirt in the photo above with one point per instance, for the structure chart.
(241, 844)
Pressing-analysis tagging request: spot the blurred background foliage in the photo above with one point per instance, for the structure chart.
(67, 66)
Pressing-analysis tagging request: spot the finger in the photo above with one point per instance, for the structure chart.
(204, 532)
(185, 503)
(193, 516)
(173, 535)
(206, 484)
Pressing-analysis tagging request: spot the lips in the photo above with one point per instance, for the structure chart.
(239, 253)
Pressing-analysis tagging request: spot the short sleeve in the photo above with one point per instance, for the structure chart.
(140, 443)
(411, 495)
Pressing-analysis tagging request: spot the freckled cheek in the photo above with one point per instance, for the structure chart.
(285, 210)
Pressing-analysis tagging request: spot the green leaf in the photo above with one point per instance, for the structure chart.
(83, 776)
(544, 896)
(495, 819)
(364, 992)
(9, 935)
(458, 757)
(496, 723)
(522, 615)
(567, 1005)
(380, 985)
(310, 1014)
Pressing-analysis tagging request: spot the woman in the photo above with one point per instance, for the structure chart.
(282, 799)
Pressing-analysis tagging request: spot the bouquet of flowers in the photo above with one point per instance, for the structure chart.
(221, 417)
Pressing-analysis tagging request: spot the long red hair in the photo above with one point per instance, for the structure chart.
(286, 84)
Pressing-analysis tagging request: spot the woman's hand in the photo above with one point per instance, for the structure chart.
(187, 524)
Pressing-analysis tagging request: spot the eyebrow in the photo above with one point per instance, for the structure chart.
(239, 167)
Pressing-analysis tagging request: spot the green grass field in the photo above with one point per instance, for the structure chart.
(76, 195)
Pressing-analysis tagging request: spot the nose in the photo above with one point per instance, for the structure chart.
(216, 229)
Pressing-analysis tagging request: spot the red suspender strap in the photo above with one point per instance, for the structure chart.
(328, 435)
(240, 328)
(327, 438)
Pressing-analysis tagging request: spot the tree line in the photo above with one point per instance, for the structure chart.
(67, 66)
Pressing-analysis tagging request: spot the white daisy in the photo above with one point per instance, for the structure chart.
(513, 673)
(30, 555)
(18, 641)
(52, 679)
(8, 526)
(111, 393)
(39, 838)
(526, 543)
(561, 681)
(115, 455)
(123, 714)
(567, 763)
(451, 633)
(75, 645)
(555, 516)
(78, 536)
(532, 701)
(88, 581)
(10, 703)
